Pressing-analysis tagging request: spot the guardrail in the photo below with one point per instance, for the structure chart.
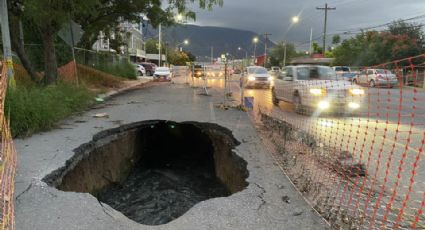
(7, 162)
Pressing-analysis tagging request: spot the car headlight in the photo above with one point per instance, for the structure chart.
(251, 78)
(357, 91)
(353, 105)
(317, 92)
(324, 105)
(270, 78)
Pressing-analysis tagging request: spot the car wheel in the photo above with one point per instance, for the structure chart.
(298, 105)
(139, 73)
(274, 98)
(372, 84)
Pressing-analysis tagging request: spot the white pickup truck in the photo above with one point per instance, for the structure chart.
(316, 88)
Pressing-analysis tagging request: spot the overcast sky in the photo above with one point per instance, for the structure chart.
(274, 16)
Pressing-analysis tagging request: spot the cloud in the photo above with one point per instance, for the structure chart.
(274, 16)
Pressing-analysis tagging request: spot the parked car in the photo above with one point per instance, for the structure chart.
(149, 67)
(376, 77)
(163, 72)
(344, 72)
(257, 76)
(316, 88)
(141, 71)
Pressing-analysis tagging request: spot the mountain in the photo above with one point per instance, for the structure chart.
(202, 38)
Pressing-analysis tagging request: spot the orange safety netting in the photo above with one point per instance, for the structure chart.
(7, 162)
(363, 168)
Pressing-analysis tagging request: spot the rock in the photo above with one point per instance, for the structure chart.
(286, 199)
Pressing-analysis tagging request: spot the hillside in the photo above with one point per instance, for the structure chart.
(202, 38)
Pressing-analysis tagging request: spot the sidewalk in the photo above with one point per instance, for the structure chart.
(269, 202)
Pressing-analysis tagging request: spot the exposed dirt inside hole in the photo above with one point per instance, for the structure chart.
(155, 171)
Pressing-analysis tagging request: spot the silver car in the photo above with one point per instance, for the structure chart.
(376, 77)
(257, 76)
(316, 88)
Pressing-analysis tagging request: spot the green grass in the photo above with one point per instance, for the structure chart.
(35, 109)
(124, 69)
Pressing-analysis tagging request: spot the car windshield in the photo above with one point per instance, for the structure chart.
(383, 71)
(315, 73)
(257, 71)
(342, 68)
(162, 69)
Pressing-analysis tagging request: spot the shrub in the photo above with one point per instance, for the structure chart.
(123, 69)
(34, 109)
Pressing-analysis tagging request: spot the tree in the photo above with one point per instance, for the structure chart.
(152, 46)
(371, 48)
(317, 49)
(17, 23)
(336, 39)
(278, 52)
(191, 56)
(110, 13)
(413, 31)
(178, 58)
(49, 16)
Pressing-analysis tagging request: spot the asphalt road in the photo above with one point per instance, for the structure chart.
(386, 134)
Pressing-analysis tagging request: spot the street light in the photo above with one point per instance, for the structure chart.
(185, 42)
(295, 20)
(246, 56)
(179, 17)
(255, 41)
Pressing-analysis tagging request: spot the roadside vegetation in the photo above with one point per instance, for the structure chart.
(33, 107)
(36, 108)
(399, 40)
(124, 69)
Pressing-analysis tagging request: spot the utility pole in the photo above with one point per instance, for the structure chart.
(266, 35)
(212, 54)
(284, 55)
(159, 45)
(326, 21)
(255, 50)
(7, 47)
(311, 42)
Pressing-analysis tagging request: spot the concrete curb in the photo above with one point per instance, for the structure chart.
(112, 93)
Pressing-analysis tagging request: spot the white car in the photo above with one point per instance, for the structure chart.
(163, 72)
(257, 76)
(376, 77)
(316, 88)
(141, 71)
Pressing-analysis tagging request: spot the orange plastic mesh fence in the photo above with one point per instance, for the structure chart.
(354, 146)
(7, 162)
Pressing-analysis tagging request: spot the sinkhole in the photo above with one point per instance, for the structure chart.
(155, 171)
